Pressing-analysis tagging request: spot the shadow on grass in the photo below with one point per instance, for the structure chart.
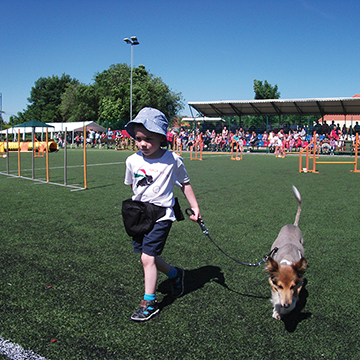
(292, 320)
(194, 280)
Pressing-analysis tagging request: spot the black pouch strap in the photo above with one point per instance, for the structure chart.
(177, 210)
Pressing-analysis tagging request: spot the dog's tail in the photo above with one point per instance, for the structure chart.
(298, 198)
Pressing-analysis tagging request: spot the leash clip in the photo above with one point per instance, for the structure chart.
(200, 221)
(203, 227)
(271, 253)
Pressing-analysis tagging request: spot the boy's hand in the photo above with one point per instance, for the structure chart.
(195, 214)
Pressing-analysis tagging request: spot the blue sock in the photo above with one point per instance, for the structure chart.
(172, 273)
(148, 297)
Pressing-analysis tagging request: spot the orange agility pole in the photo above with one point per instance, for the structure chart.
(47, 156)
(237, 151)
(198, 144)
(316, 149)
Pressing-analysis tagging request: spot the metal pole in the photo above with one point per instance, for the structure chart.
(132, 41)
(131, 76)
(85, 170)
(7, 151)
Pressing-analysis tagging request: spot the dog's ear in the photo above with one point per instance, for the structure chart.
(300, 267)
(272, 266)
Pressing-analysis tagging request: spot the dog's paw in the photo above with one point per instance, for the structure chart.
(276, 315)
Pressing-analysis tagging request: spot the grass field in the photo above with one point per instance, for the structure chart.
(69, 281)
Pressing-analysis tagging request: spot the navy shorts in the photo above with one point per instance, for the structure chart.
(153, 243)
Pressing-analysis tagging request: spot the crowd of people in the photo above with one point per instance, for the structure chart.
(285, 137)
(110, 138)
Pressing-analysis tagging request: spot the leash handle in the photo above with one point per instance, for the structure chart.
(200, 221)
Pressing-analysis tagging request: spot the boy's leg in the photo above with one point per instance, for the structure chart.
(162, 265)
(152, 243)
(150, 273)
(149, 306)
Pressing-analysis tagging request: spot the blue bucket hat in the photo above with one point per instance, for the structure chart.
(152, 119)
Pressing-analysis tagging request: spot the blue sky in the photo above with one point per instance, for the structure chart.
(207, 50)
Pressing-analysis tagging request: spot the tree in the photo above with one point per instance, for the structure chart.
(107, 100)
(45, 99)
(112, 87)
(265, 91)
(79, 103)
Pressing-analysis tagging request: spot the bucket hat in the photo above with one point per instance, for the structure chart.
(152, 119)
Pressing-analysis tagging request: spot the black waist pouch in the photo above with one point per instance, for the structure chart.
(139, 217)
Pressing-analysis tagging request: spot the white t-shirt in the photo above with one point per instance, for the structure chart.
(153, 180)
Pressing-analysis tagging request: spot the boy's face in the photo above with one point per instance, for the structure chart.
(148, 142)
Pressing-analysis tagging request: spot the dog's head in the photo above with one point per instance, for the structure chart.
(287, 280)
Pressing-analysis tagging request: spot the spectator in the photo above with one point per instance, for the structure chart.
(357, 127)
(332, 145)
(271, 140)
(110, 135)
(279, 145)
(253, 141)
(92, 137)
(170, 138)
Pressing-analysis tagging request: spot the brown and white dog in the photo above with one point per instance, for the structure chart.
(287, 267)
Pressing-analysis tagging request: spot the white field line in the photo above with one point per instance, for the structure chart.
(68, 167)
(75, 188)
(16, 352)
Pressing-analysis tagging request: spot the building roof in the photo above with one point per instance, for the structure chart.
(304, 107)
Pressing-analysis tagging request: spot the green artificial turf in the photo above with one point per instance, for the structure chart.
(67, 271)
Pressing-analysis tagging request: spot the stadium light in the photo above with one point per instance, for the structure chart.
(132, 41)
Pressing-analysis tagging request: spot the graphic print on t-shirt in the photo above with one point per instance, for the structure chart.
(145, 179)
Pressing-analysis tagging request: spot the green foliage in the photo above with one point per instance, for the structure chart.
(113, 89)
(55, 99)
(44, 100)
(78, 103)
(265, 91)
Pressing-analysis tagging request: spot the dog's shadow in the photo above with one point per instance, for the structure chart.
(194, 279)
(295, 317)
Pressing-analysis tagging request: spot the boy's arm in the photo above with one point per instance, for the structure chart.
(190, 196)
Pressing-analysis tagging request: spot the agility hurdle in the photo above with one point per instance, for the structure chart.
(311, 149)
(22, 146)
(197, 144)
(237, 151)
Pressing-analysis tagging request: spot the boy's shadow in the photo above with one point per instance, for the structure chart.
(194, 280)
(292, 319)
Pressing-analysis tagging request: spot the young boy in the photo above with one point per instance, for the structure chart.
(152, 173)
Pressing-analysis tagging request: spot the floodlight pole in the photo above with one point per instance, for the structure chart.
(132, 41)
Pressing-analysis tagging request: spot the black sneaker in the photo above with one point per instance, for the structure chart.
(147, 310)
(177, 283)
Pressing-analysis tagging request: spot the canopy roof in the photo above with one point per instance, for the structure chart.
(202, 119)
(56, 127)
(32, 124)
(320, 106)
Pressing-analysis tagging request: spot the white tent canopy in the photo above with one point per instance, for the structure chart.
(59, 127)
(204, 118)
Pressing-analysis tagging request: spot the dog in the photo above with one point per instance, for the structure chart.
(287, 266)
